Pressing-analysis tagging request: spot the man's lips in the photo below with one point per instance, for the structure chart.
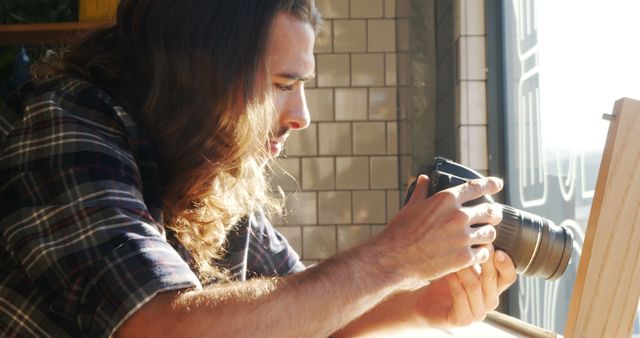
(280, 139)
(276, 144)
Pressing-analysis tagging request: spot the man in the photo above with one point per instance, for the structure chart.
(154, 133)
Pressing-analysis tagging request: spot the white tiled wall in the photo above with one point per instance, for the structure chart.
(344, 168)
(470, 91)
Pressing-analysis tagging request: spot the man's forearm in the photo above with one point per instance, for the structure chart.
(394, 312)
(313, 303)
(429, 238)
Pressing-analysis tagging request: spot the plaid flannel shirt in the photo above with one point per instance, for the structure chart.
(82, 245)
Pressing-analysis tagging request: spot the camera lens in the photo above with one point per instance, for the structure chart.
(536, 245)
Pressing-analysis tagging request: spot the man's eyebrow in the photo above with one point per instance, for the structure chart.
(297, 76)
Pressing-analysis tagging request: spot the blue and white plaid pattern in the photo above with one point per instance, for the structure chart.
(82, 245)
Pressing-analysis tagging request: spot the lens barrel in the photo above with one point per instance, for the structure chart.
(536, 245)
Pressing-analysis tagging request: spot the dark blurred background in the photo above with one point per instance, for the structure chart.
(16, 60)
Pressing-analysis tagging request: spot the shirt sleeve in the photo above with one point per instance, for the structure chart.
(72, 214)
(269, 252)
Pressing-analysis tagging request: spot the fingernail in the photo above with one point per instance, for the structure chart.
(484, 256)
(497, 209)
(500, 183)
(500, 256)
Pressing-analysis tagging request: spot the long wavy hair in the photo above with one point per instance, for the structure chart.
(194, 75)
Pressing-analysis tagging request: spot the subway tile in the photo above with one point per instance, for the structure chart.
(301, 208)
(472, 60)
(472, 17)
(393, 203)
(318, 173)
(318, 242)
(473, 102)
(286, 174)
(381, 35)
(349, 36)
(309, 262)
(478, 150)
(303, 142)
(473, 147)
(391, 69)
(333, 70)
(383, 103)
(367, 8)
(352, 235)
(376, 229)
(351, 104)
(367, 69)
(334, 138)
(334, 207)
(392, 138)
(389, 8)
(369, 207)
(369, 138)
(293, 234)
(384, 172)
(320, 103)
(324, 38)
(313, 83)
(333, 8)
(352, 172)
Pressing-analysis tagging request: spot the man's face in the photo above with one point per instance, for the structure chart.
(291, 63)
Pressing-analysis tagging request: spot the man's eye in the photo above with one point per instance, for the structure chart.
(283, 87)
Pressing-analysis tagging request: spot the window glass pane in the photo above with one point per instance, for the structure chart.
(566, 62)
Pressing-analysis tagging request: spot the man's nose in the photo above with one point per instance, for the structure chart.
(296, 114)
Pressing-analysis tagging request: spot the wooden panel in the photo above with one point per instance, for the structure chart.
(605, 297)
(30, 34)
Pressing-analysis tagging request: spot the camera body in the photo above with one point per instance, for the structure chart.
(536, 245)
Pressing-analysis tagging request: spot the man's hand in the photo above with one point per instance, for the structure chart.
(457, 299)
(433, 237)
(466, 296)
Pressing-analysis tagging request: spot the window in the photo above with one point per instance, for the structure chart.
(564, 64)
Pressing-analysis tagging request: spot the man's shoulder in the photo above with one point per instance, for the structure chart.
(78, 98)
(68, 100)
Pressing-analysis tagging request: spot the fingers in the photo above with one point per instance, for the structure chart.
(421, 190)
(505, 270)
(475, 293)
(472, 285)
(485, 234)
(485, 213)
(477, 188)
(490, 285)
(461, 313)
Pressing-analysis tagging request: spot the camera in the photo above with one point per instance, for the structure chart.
(536, 245)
